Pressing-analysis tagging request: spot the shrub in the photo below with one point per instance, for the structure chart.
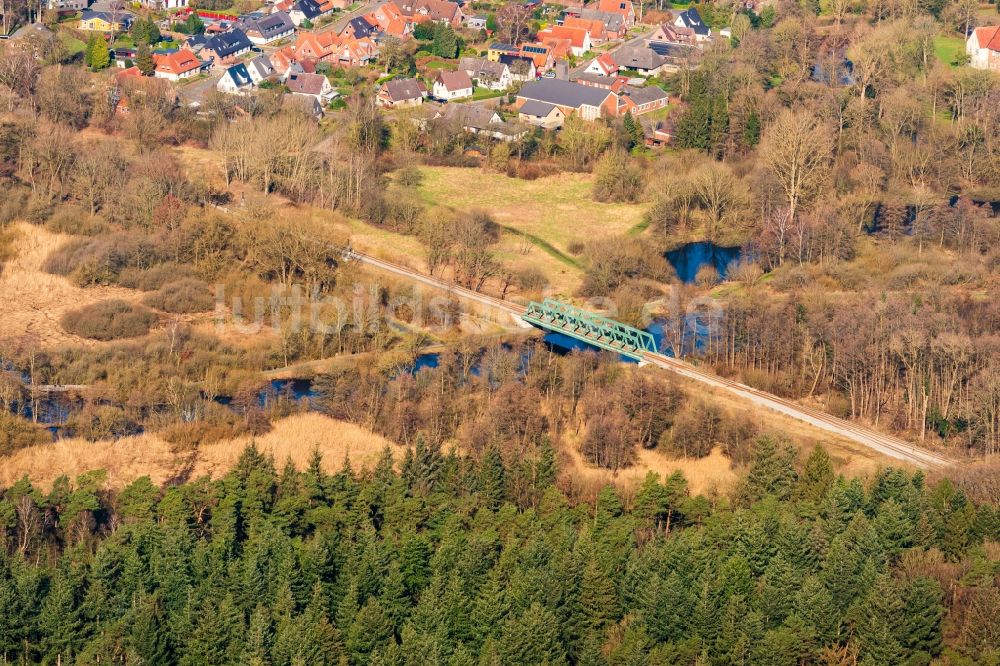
(13, 203)
(18, 433)
(181, 297)
(154, 278)
(410, 176)
(101, 260)
(109, 320)
(102, 422)
(69, 219)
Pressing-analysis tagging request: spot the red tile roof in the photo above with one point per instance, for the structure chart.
(989, 37)
(177, 63)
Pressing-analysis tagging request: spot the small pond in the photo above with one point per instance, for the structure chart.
(688, 259)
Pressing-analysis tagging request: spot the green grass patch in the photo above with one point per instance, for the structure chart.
(950, 50)
(73, 45)
(486, 93)
(639, 228)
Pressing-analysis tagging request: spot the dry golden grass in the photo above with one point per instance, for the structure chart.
(711, 475)
(132, 457)
(35, 301)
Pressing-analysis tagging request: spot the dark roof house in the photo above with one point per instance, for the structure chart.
(266, 29)
(228, 44)
(590, 102)
(690, 18)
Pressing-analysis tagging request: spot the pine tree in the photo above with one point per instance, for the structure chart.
(814, 605)
(878, 620)
(148, 634)
(772, 471)
(491, 479)
(144, 59)
(924, 612)
(372, 629)
(531, 638)
(59, 619)
(97, 55)
(751, 133)
(817, 477)
(893, 529)
(632, 130)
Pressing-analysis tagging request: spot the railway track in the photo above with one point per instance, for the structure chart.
(887, 445)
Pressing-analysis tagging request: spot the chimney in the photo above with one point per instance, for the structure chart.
(562, 70)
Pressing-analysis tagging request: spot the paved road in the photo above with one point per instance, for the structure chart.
(343, 19)
(887, 445)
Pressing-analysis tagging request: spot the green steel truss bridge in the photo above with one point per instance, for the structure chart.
(590, 328)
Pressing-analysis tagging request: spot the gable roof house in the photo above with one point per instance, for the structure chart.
(316, 86)
(262, 30)
(592, 26)
(236, 80)
(589, 102)
(438, 11)
(613, 83)
(452, 85)
(541, 114)
(668, 32)
(356, 52)
(357, 28)
(614, 22)
(176, 65)
(225, 48)
(260, 68)
(521, 68)
(306, 10)
(690, 18)
(101, 21)
(579, 38)
(482, 121)
(983, 48)
(315, 45)
(638, 101)
(602, 65)
(541, 54)
(390, 20)
(486, 73)
(641, 58)
(401, 93)
(497, 49)
(623, 8)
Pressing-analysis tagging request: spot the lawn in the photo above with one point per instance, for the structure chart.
(72, 44)
(486, 93)
(949, 49)
(552, 215)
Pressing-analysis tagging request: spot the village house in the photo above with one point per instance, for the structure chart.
(476, 22)
(316, 86)
(390, 20)
(623, 8)
(497, 49)
(260, 69)
(652, 58)
(356, 52)
(486, 73)
(236, 80)
(318, 46)
(594, 28)
(110, 21)
(452, 85)
(226, 48)
(588, 102)
(578, 38)
(176, 65)
(613, 83)
(261, 30)
(358, 28)
(983, 48)
(672, 34)
(437, 11)
(540, 54)
(481, 120)
(602, 65)
(400, 93)
(614, 23)
(541, 114)
(520, 67)
(638, 101)
(691, 19)
(306, 10)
